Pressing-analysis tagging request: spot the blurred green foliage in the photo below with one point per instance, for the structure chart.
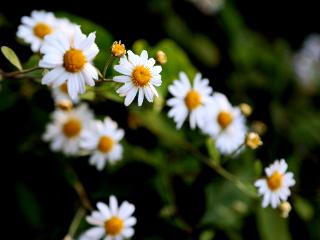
(177, 195)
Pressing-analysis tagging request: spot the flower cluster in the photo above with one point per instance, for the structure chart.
(67, 56)
(211, 112)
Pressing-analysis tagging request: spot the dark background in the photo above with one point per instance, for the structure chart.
(128, 21)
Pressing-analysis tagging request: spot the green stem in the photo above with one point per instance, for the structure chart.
(221, 171)
(106, 66)
(78, 187)
(75, 224)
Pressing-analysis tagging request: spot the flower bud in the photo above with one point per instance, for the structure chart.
(245, 109)
(253, 140)
(65, 105)
(118, 49)
(161, 57)
(284, 209)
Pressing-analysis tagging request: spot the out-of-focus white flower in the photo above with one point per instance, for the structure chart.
(60, 94)
(208, 7)
(139, 77)
(34, 28)
(66, 129)
(275, 187)
(102, 140)
(111, 222)
(70, 57)
(225, 124)
(307, 62)
(189, 100)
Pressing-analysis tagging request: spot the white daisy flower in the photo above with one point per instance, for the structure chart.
(66, 129)
(307, 61)
(189, 100)
(102, 139)
(34, 28)
(60, 94)
(225, 124)
(70, 57)
(139, 76)
(111, 222)
(275, 187)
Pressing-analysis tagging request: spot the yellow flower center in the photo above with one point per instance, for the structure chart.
(105, 144)
(275, 181)
(71, 128)
(41, 30)
(74, 60)
(192, 99)
(141, 76)
(113, 226)
(224, 119)
(64, 88)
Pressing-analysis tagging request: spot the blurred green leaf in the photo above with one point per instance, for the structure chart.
(108, 90)
(303, 208)
(271, 226)
(29, 206)
(198, 44)
(222, 206)
(11, 56)
(8, 97)
(159, 126)
(32, 61)
(258, 168)
(207, 235)
(89, 95)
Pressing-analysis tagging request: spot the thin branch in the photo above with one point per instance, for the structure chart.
(79, 188)
(221, 171)
(106, 66)
(18, 74)
(75, 224)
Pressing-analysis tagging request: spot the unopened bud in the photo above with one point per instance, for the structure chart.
(65, 105)
(253, 140)
(161, 57)
(259, 127)
(118, 49)
(245, 109)
(284, 209)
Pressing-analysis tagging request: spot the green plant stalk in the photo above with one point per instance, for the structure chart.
(17, 74)
(75, 223)
(221, 171)
(79, 188)
(106, 66)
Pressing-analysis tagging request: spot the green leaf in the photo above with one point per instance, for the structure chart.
(11, 56)
(207, 235)
(212, 150)
(225, 206)
(108, 91)
(271, 226)
(160, 127)
(303, 208)
(198, 44)
(258, 168)
(29, 205)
